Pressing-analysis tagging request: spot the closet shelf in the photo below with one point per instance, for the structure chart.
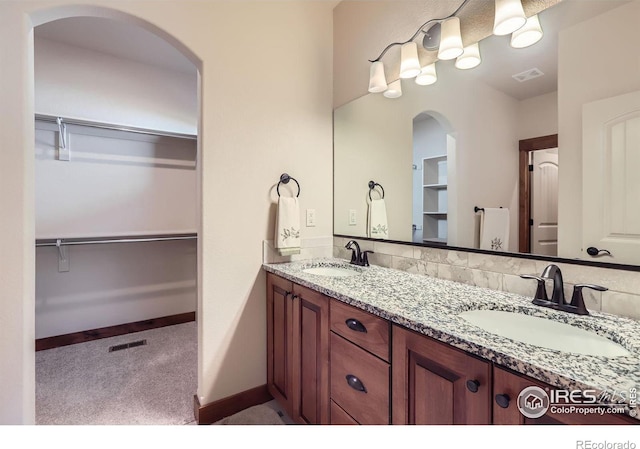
(132, 129)
(119, 239)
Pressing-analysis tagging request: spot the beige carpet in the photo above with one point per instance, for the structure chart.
(150, 384)
(256, 415)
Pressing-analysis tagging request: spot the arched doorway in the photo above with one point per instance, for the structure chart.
(434, 201)
(95, 15)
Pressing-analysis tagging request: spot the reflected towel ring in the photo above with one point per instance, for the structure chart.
(372, 186)
(284, 179)
(477, 209)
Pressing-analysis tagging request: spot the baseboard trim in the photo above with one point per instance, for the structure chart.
(215, 411)
(112, 331)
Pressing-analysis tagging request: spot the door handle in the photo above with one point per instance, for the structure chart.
(595, 252)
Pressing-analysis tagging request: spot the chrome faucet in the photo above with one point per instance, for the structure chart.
(358, 257)
(553, 272)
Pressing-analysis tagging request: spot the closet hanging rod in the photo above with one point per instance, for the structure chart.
(94, 241)
(132, 129)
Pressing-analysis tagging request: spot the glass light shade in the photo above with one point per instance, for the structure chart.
(528, 35)
(427, 75)
(409, 62)
(394, 90)
(450, 39)
(470, 58)
(509, 17)
(377, 80)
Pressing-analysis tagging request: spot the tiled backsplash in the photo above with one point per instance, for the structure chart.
(503, 273)
(309, 249)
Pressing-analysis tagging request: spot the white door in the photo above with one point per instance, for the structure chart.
(611, 177)
(544, 202)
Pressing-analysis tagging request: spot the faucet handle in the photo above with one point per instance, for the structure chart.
(577, 300)
(364, 258)
(541, 291)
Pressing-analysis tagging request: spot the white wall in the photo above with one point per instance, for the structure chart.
(538, 116)
(73, 82)
(112, 284)
(615, 71)
(486, 153)
(253, 128)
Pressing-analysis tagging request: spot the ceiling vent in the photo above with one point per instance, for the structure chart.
(528, 75)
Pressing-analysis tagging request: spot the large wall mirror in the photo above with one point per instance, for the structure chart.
(567, 107)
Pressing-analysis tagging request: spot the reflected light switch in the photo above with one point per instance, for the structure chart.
(352, 217)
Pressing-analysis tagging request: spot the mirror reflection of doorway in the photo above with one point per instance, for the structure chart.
(538, 208)
(544, 202)
(433, 173)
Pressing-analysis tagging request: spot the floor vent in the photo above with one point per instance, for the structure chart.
(133, 344)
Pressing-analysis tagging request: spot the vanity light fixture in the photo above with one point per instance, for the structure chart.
(427, 75)
(409, 62)
(394, 90)
(443, 34)
(470, 58)
(509, 17)
(450, 39)
(377, 80)
(528, 35)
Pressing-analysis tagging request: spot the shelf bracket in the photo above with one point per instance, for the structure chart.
(63, 141)
(63, 257)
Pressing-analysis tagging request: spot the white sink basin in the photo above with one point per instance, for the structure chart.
(543, 333)
(331, 271)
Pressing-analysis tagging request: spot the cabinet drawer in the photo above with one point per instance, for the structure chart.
(340, 417)
(362, 328)
(371, 404)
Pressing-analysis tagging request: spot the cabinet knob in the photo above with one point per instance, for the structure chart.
(472, 385)
(503, 400)
(355, 325)
(355, 383)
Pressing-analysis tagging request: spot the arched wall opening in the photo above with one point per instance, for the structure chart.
(434, 189)
(43, 17)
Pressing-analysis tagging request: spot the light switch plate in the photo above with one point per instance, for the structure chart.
(352, 217)
(311, 217)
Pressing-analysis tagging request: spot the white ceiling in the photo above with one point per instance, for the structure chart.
(115, 38)
(500, 61)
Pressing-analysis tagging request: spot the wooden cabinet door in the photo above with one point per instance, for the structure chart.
(280, 378)
(505, 409)
(430, 382)
(311, 356)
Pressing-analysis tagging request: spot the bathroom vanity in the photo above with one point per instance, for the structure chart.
(371, 345)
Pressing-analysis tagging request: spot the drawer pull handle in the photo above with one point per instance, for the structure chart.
(503, 400)
(355, 383)
(355, 325)
(473, 385)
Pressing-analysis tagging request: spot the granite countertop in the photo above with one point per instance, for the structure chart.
(431, 306)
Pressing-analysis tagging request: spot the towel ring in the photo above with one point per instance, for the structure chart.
(284, 179)
(372, 186)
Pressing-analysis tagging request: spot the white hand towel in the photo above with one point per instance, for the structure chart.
(494, 229)
(287, 239)
(378, 227)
